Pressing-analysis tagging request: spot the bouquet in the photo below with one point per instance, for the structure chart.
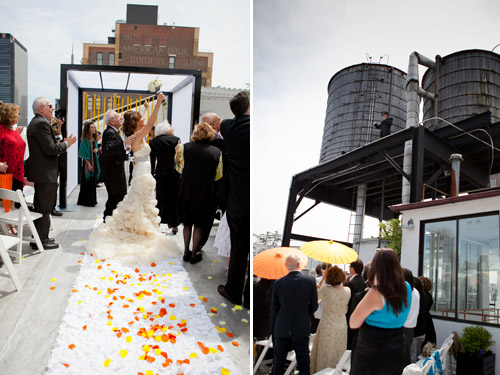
(155, 86)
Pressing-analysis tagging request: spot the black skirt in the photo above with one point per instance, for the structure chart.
(88, 194)
(378, 351)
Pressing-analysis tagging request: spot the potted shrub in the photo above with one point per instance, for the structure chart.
(474, 356)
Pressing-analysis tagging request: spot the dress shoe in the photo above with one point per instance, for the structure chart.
(222, 291)
(195, 258)
(47, 244)
(187, 256)
(56, 213)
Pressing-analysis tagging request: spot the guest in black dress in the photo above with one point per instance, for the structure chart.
(90, 166)
(167, 178)
(200, 164)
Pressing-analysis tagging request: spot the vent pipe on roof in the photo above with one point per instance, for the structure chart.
(455, 159)
(360, 214)
(414, 93)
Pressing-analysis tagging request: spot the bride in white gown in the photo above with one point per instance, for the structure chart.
(132, 234)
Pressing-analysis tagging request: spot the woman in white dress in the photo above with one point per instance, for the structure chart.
(132, 234)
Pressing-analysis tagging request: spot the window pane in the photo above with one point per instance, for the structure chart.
(99, 58)
(171, 62)
(112, 59)
(478, 268)
(439, 265)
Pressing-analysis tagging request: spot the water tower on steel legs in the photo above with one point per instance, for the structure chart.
(356, 95)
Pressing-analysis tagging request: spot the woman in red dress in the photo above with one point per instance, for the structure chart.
(12, 146)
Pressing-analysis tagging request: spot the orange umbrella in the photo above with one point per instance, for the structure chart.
(270, 263)
(329, 252)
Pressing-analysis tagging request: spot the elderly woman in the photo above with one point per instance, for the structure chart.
(12, 147)
(91, 170)
(163, 170)
(200, 164)
(330, 341)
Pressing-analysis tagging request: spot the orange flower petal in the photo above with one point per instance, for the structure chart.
(84, 327)
(74, 290)
(65, 365)
(52, 287)
(192, 304)
(137, 270)
(221, 349)
(186, 361)
(153, 264)
(205, 350)
(71, 346)
(235, 343)
(229, 334)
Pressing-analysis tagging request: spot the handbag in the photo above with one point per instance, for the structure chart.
(6, 183)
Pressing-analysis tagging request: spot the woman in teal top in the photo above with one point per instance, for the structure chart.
(380, 316)
(90, 166)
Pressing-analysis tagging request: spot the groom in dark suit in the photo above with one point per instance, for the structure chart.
(43, 165)
(236, 133)
(112, 161)
(295, 299)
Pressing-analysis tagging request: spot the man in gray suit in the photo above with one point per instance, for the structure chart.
(295, 299)
(43, 166)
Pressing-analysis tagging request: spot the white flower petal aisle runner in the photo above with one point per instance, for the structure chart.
(145, 320)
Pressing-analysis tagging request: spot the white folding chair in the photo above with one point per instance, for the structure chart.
(6, 242)
(268, 343)
(344, 365)
(19, 218)
(443, 354)
(418, 369)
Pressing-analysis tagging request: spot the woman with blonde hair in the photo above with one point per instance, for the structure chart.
(330, 340)
(91, 170)
(12, 147)
(200, 164)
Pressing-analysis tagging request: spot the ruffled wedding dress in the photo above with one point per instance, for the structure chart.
(132, 234)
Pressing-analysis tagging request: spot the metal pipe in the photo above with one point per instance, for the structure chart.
(455, 159)
(360, 214)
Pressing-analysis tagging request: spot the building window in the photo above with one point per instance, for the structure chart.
(171, 62)
(461, 256)
(99, 58)
(112, 59)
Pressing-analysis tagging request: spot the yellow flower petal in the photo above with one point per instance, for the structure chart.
(212, 350)
(149, 372)
(222, 323)
(106, 362)
(129, 339)
(211, 314)
(123, 353)
(244, 320)
(224, 371)
(209, 277)
(146, 348)
(110, 323)
(52, 279)
(193, 355)
(173, 317)
(141, 309)
(158, 351)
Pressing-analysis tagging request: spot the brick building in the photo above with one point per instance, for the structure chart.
(140, 41)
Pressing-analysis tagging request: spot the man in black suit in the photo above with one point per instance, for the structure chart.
(236, 133)
(167, 179)
(112, 159)
(43, 166)
(385, 125)
(357, 285)
(295, 298)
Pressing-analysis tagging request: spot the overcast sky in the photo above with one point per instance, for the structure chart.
(299, 45)
(49, 29)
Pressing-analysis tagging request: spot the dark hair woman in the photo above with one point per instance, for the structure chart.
(381, 314)
(90, 166)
